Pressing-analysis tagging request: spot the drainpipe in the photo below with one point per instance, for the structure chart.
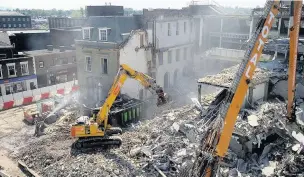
(199, 91)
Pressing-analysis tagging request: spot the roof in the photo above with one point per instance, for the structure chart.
(4, 40)
(116, 24)
(10, 13)
(10, 33)
(226, 76)
(45, 52)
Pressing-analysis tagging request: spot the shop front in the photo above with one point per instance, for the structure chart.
(19, 84)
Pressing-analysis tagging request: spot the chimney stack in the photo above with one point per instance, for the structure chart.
(49, 47)
(61, 48)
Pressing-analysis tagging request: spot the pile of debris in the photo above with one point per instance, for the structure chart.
(265, 144)
(226, 76)
(262, 144)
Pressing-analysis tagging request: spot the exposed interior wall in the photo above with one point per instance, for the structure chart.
(136, 59)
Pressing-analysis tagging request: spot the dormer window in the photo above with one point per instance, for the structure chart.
(103, 34)
(86, 33)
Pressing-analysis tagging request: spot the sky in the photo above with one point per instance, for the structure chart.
(135, 4)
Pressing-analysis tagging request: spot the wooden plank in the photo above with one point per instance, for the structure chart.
(26, 170)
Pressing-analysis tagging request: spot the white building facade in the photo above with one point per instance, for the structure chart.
(173, 40)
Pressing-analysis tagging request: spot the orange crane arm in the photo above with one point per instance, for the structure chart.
(295, 20)
(242, 85)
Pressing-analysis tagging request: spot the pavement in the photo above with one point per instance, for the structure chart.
(12, 120)
(13, 132)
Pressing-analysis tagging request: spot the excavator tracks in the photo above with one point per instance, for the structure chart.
(96, 143)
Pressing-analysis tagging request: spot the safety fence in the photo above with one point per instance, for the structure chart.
(31, 96)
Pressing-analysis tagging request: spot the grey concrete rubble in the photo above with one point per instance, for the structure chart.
(226, 76)
(262, 144)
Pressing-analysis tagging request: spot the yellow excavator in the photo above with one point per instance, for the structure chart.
(96, 131)
(215, 141)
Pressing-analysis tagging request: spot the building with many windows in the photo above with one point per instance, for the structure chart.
(98, 54)
(17, 72)
(14, 20)
(54, 66)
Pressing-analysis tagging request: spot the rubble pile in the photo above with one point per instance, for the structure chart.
(151, 147)
(263, 144)
(226, 76)
(159, 146)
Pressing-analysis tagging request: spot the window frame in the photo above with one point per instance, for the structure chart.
(8, 71)
(169, 29)
(83, 29)
(106, 34)
(27, 68)
(40, 64)
(160, 58)
(86, 65)
(1, 73)
(103, 65)
(177, 55)
(185, 27)
(177, 29)
(169, 56)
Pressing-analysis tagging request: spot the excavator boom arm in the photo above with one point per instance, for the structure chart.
(295, 20)
(124, 72)
(245, 75)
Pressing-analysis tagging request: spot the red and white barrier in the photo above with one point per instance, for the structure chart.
(8, 101)
(31, 96)
(27, 97)
(18, 99)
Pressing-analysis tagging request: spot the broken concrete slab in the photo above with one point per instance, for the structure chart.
(253, 120)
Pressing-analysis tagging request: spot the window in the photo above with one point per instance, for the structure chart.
(41, 64)
(28, 19)
(141, 42)
(15, 25)
(24, 25)
(3, 19)
(14, 19)
(103, 35)
(23, 19)
(169, 29)
(86, 33)
(160, 58)
(24, 68)
(169, 56)
(88, 64)
(185, 53)
(177, 28)
(104, 65)
(191, 26)
(19, 19)
(185, 27)
(15, 87)
(19, 25)
(2, 56)
(11, 69)
(177, 54)
(8, 19)
(4, 25)
(1, 76)
(9, 25)
(74, 59)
